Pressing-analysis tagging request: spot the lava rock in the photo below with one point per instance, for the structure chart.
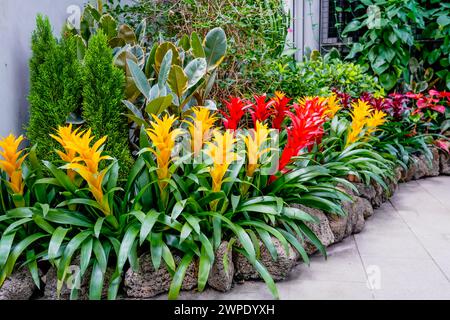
(399, 173)
(411, 171)
(322, 229)
(338, 225)
(363, 205)
(445, 163)
(355, 220)
(422, 167)
(434, 170)
(18, 286)
(221, 278)
(366, 191)
(51, 282)
(279, 269)
(148, 282)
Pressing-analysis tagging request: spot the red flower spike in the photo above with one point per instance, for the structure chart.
(260, 110)
(280, 107)
(305, 130)
(233, 113)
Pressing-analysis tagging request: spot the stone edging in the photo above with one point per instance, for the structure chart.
(147, 282)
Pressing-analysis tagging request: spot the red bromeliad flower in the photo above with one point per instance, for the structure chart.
(427, 102)
(280, 107)
(306, 129)
(234, 111)
(260, 110)
(376, 103)
(344, 98)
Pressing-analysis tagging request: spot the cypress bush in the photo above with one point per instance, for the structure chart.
(55, 86)
(46, 88)
(103, 91)
(72, 75)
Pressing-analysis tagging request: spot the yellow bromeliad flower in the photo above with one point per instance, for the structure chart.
(374, 121)
(254, 140)
(221, 153)
(360, 113)
(12, 162)
(163, 138)
(200, 127)
(66, 136)
(332, 106)
(85, 160)
(279, 95)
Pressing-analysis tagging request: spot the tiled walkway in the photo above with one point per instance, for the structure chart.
(403, 253)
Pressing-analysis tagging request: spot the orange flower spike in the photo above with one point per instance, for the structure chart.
(12, 162)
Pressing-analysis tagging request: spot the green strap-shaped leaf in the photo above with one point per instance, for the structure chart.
(177, 280)
(56, 241)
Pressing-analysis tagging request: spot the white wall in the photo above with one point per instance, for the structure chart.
(306, 18)
(17, 21)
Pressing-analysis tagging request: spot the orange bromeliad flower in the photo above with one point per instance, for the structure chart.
(12, 162)
(65, 136)
(221, 153)
(163, 138)
(85, 160)
(254, 140)
(200, 127)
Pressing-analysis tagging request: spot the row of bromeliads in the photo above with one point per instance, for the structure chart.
(179, 208)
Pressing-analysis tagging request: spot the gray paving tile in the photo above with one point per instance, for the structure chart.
(343, 264)
(324, 290)
(395, 278)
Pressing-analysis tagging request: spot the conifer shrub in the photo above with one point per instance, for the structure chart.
(46, 88)
(103, 91)
(55, 85)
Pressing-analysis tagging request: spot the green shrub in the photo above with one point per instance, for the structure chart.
(103, 91)
(314, 76)
(256, 31)
(46, 88)
(55, 85)
(390, 33)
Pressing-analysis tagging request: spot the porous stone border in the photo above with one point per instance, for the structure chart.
(230, 266)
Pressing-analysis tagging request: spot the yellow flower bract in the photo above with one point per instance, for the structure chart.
(254, 141)
(84, 159)
(220, 150)
(163, 138)
(364, 121)
(200, 128)
(12, 161)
